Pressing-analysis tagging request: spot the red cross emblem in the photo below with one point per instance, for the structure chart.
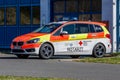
(80, 43)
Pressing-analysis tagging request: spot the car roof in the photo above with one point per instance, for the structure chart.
(60, 22)
(84, 22)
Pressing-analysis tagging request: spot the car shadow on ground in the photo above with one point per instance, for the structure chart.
(11, 56)
(5, 54)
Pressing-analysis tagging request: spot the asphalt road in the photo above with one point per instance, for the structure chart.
(57, 67)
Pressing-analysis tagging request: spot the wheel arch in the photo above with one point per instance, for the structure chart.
(97, 44)
(50, 44)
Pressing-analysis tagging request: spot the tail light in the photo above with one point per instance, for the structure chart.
(108, 36)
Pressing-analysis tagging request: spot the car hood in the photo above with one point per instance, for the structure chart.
(28, 36)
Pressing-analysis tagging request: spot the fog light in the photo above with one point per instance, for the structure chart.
(30, 50)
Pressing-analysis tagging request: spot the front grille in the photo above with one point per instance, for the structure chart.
(18, 43)
(18, 50)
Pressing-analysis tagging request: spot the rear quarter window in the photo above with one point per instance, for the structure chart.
(98, 28)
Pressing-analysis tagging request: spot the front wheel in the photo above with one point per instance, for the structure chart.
(46, 51)
(99, 50)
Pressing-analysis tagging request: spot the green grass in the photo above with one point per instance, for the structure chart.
(28, 78)
(111, 59)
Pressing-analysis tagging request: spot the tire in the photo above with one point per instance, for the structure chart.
(74, 56)
(46, 51)
(22, 56)
(99, 50)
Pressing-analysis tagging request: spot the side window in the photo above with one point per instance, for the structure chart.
(92, 29)
(82, 28)
(57, 33)
(69, 28)
(98, 28)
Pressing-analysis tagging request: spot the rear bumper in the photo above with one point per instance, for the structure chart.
(109, 48)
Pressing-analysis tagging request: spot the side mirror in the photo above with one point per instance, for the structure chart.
(64, 33)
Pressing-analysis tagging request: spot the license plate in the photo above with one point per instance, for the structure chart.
(17, 47)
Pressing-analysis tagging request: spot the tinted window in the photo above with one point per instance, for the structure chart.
(47, 28)
(69, 28)
(98, 28)
(57, 33)
(92, 29)
(82, 28)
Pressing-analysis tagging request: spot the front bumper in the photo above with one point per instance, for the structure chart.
(30, 51)
(25, 49)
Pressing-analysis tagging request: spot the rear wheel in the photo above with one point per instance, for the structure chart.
(46, 51)
(99, 50)
(74, 56)
(22, 56)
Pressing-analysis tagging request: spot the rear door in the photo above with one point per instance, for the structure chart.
(80, 40)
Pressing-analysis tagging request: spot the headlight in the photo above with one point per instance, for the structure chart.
(33, 41)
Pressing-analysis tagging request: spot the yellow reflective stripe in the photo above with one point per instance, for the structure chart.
(78, 36)
(44, 38)
(105, 31)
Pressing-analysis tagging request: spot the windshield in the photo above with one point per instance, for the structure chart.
(47, 28)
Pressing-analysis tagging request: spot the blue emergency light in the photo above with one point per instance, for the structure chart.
(68, 19)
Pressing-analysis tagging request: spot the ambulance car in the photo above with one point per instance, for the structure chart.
(72, 38)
